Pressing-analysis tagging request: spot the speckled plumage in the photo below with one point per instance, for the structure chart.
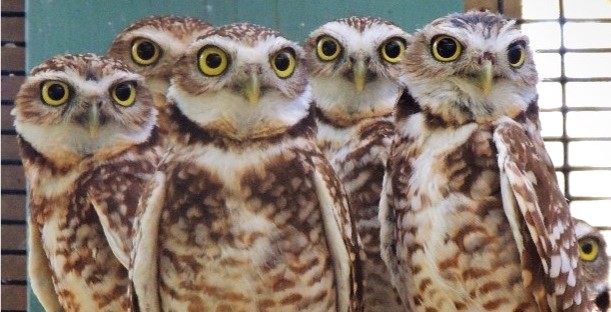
(171, 35)
(84, 182)
(355, 129)
(245, 214)
(472, 216)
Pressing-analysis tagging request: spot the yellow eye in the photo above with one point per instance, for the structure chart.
(54, 92)
(392, 50)
(516, 54)
(328, 48)
(212, 61)
(145, 52)
(588, 249)
(283, 63)
(124, 93)
(445, 48)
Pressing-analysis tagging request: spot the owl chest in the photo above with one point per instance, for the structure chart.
(358, 153)
(454, 233)
(336, 143)
(87, 276)
(257, 239)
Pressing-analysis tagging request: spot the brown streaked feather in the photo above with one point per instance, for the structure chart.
(117, 209)
(543, 219)
(97, 187)
(143, 270)
(244, 32)
(349, 233)
(179, 25)
(82, 64)
(271, 189)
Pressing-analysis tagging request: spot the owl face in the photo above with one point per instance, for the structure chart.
(477, 62)
(355, 61)
(77, 105)
(151, 46)
(242, 81)
(594, 261)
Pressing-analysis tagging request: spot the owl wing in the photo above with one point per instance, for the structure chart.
(388, 240)
(41, 276)
(539, 217)
(144, 258)
(341, 235)
(114, 193)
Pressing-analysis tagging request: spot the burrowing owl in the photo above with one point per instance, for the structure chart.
(85, 126)
(354, 63)
(595, 263)
(245, 213)
(472, 216)
(151, 46)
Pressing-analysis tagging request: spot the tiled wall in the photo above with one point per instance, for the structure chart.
(13, 182)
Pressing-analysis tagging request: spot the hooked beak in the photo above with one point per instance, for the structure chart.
(94, 120)
(252, 89)
(484, 77)
(359, 71)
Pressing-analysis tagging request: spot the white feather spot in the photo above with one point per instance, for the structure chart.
(555, 266)
(560, 288)
(566, 261)
(577, 298)
(557, 231)
(570, 279)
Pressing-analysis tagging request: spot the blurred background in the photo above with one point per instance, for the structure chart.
(572, 39)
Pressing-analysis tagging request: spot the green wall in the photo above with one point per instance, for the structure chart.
(60, 26)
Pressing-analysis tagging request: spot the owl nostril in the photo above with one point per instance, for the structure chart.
(486, 56)
(253, 70)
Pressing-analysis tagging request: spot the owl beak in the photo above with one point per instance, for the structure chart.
(252, 89)
(484, 77)
(94, 120)
(359, 70)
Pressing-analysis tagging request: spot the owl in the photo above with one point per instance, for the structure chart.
(244, 212)
(354, 64)
(86, 127)
(595, 263)
(150, 47)
(472, 218)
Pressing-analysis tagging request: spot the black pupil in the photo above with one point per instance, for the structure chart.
(146, 50)
(392, 49)
(56, 92)
(446, 47)
(514, 54)
(282, 62)
(213, 60)
(587, 248)
(122, 92)
(329, 47)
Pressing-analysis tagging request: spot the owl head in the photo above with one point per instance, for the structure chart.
(242, 81)
(73, 106)
(150, 46)
(470, 66)
(594, 262)
(354, 63)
